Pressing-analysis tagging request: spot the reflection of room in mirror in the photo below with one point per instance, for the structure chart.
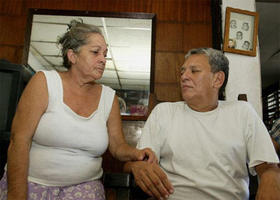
(136, 102)
(129, 42)
(132, 131)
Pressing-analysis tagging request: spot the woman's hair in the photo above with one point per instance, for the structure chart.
(217, 60)
(75, 37)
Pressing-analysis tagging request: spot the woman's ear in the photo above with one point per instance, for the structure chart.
(219, 78)
(71, 55)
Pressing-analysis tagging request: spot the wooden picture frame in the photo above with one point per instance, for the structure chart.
(241, 27)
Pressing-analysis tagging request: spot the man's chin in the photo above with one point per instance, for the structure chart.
(187, 98)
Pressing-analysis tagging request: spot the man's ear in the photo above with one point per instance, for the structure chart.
(71, 55)
(219, 78)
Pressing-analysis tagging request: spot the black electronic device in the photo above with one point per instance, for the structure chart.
(13, 79)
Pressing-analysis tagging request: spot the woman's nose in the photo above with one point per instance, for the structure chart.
(103, 58)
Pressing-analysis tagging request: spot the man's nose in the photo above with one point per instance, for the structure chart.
(185, 75)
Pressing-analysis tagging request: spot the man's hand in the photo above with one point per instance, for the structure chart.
(151, 179)
(269, 187)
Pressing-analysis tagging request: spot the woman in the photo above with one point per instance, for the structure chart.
(64, 123)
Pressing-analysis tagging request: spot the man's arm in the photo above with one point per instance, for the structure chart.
(269, 186)
(150, 178)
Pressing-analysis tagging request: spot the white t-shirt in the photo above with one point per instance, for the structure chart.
(204, 154)
(66, 147)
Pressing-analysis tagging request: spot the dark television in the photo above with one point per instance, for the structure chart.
(13, 79)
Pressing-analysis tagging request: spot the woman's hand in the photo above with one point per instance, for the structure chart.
(145, 155)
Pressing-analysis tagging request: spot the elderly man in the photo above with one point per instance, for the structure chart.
(203, 144)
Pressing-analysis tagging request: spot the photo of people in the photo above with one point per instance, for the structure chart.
(246, 45)
(245, 26)
(231, 43)
(240, 31)
(239, 35)
(233, 24)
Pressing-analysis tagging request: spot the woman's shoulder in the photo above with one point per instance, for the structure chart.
(107, 90)
(105, 87)
(38, 78)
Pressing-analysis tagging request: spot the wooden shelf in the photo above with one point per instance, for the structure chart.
(134, 118)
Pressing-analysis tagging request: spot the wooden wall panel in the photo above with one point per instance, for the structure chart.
(169, 10)
(167, 79)
(167, 65)
(9, 53)
(169, 37)
(170, 91)
(11, 7)
(12, 30)
(197, 11)
(197, 35)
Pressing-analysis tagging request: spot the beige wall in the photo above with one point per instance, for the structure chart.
(245, 71)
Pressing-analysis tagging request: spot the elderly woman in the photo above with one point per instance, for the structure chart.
(64, 123)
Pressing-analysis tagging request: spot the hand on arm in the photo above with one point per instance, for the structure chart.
(150, 178)
(32, 104)
(117, 144)
(145, 154)
(269, 186)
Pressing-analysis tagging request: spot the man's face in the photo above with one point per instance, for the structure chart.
(197, 80)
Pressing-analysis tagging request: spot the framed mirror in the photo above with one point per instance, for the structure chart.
(131, 51)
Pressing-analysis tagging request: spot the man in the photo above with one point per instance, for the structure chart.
(246, 45)
(203, 144)
(239, 35)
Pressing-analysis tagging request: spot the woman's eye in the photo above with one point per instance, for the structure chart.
(94, 52)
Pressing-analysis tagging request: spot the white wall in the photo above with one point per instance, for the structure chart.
(244, 71)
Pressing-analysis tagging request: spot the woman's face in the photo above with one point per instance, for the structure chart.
(91, 58)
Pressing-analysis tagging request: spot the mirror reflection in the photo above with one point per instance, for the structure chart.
(128, 63)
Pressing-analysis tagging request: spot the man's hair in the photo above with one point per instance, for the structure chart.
(217, 60)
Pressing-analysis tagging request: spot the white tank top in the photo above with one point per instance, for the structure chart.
(66, 147)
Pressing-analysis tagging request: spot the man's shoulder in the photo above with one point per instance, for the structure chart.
(168, 108)
(238, 107)
(234, 104)
(169, 105)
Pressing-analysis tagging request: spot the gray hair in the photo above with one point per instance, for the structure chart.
(217, 60)
(75, 37)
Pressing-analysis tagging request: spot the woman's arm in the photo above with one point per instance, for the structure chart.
(32, 105)
(117, 144)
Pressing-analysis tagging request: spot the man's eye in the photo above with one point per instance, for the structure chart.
(94, 52)
(182, 71)
(194, 71)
